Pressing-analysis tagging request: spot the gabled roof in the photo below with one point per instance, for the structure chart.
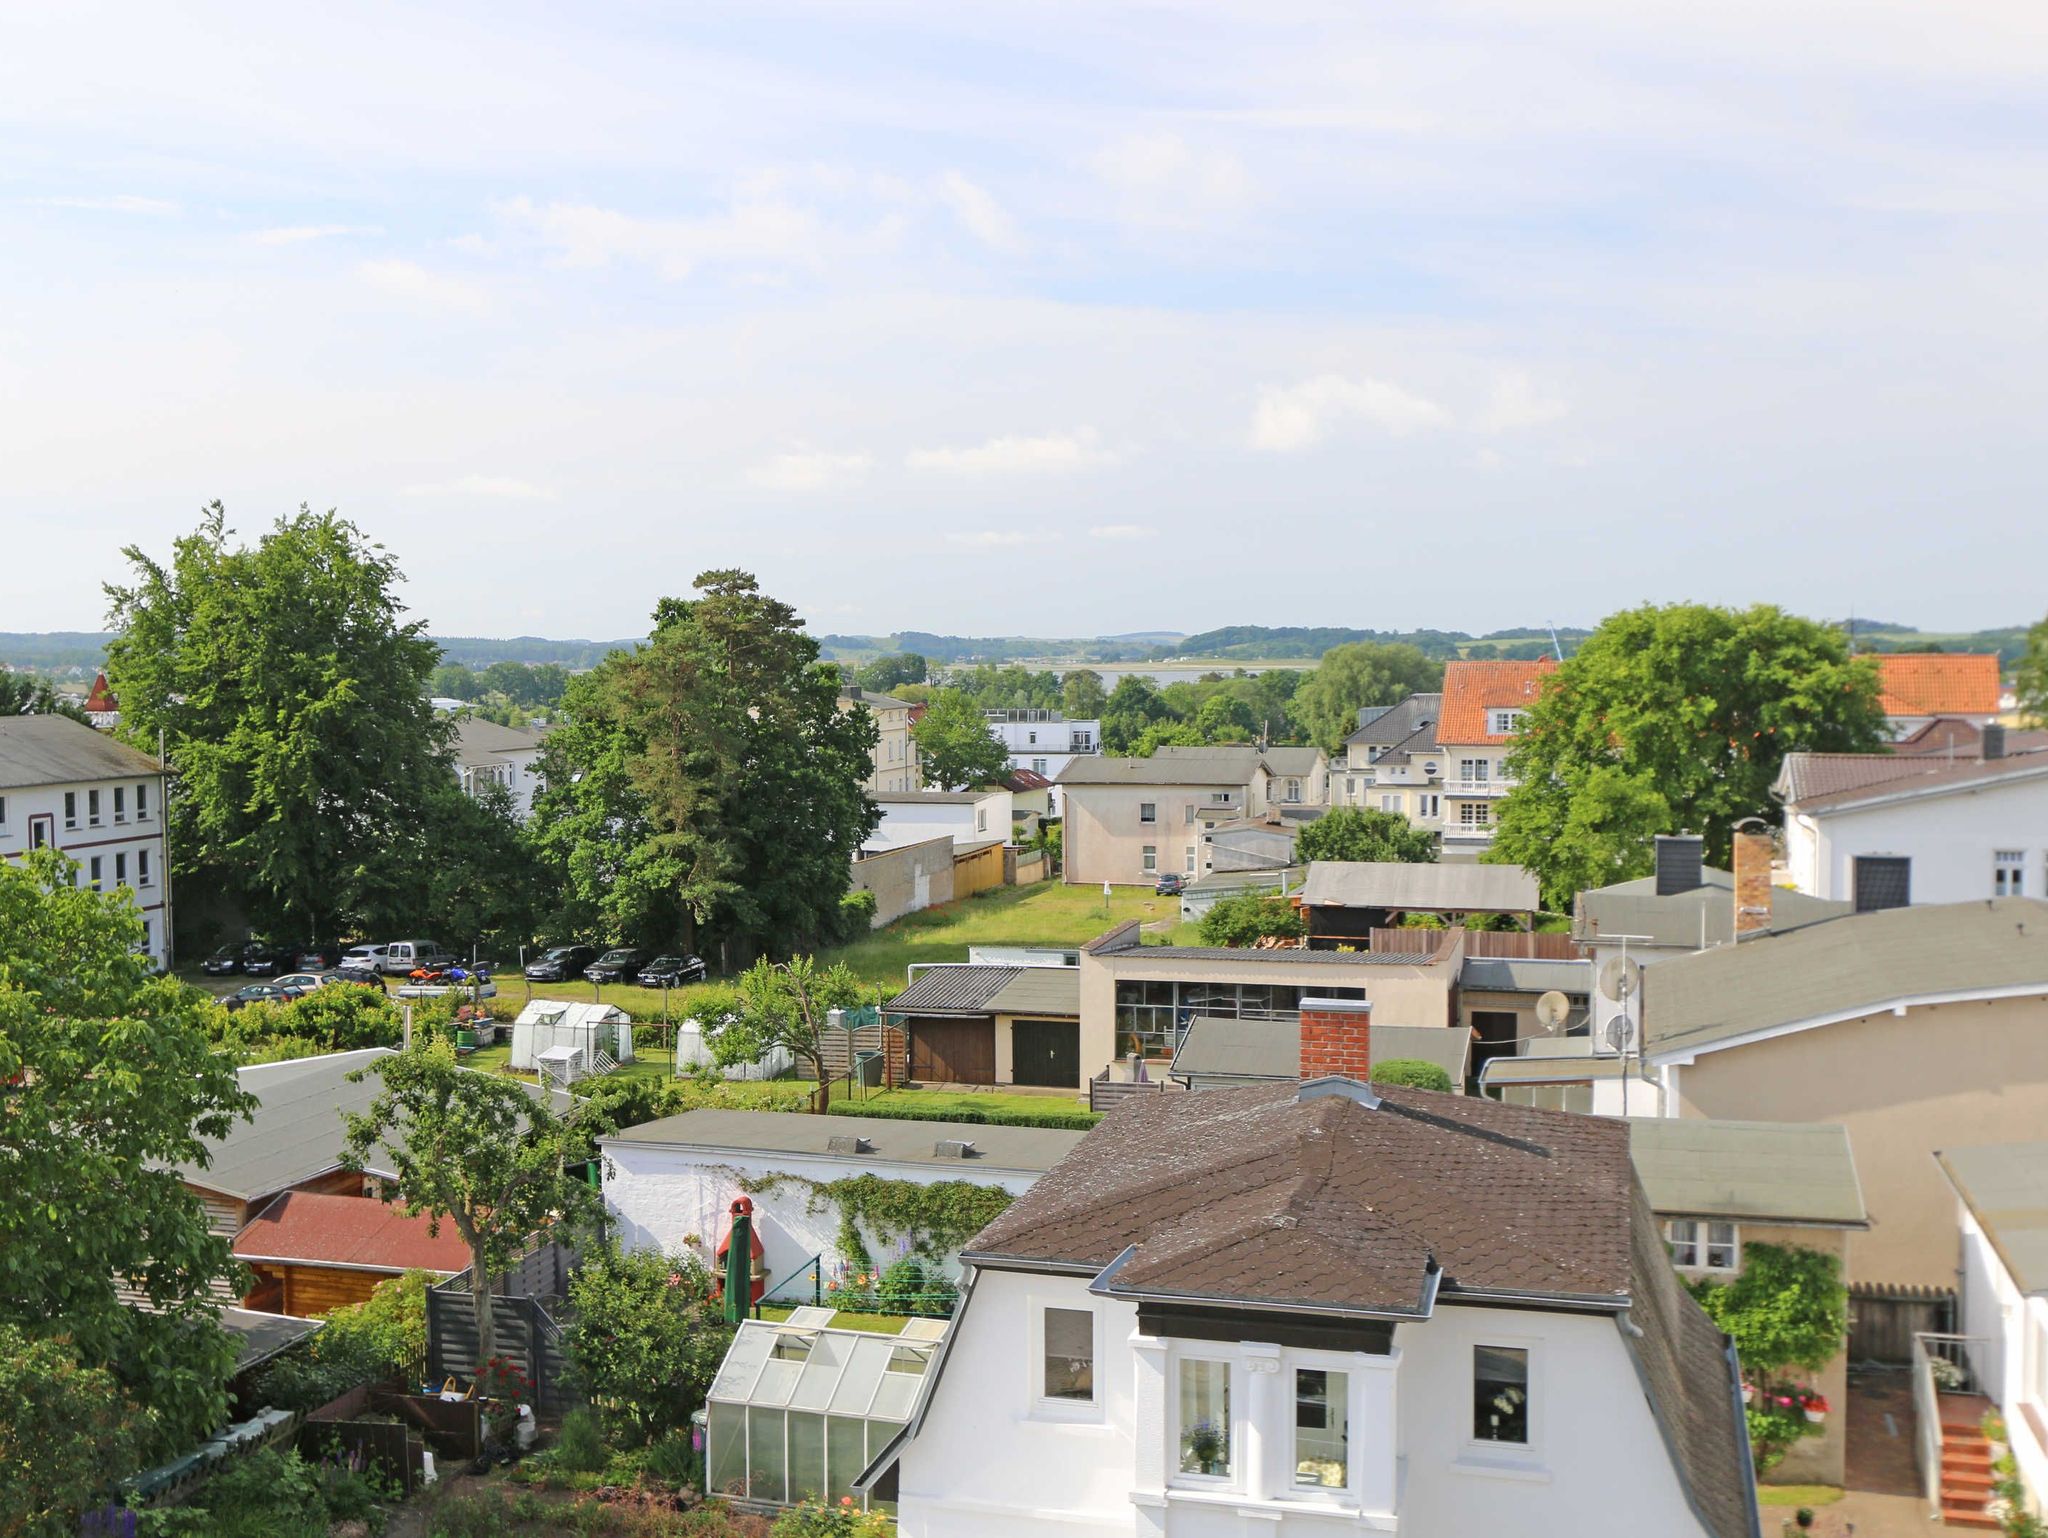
(2005, 1186)
(355, 1233)
(1748, 1171)
(1833, 782)
(478, 741)
(56, 750)
(1399, 722)
(953, 988)
(888, 1140)
(1959, 738)
(1420, 743)
(1844, 968)
(1025, 779)
(1293, 762)
(1232, 766)
(1402, 884)
(1938, 683)
(856, 696)
(1471, 689)
(1702, 917)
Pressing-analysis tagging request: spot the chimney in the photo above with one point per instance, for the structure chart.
(1994, 740)
(1753, 850)
(1678, 863)
(1336, 1039)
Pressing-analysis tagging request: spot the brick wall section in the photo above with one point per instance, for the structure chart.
(1752, 882)
(1336, 1038)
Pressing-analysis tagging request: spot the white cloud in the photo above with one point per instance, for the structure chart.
(1161, 179)
(120, 204)
(761, 231)
(409, 280)
(976, 208)
(1517, 401)
(1052, 454)
(298, 234)
(1299, 416)
(482, 488)
(1123, 531)
(997, 538)
(805, 470)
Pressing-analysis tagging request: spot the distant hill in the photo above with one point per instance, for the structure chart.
(482, 651)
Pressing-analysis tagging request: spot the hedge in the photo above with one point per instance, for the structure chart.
(1412, 1071)
(1060, 1121)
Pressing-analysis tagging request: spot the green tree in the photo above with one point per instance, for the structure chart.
(1167, 734)
(785, 1004)
(1133, 705)
(1360, 673)
(647, 1339)
(955, 748)
(23, 695)
(111, 1085)
(707, 778)
(1359, 833)
(886, 674)
(66, 1435)
(461, 864)
(1249, 917)
(454, 681)
(470, 1149)
(1788, 1309)
(1226, 718)
(2030, 677)
(1690, 703)
(1082, 696)
(293, 701)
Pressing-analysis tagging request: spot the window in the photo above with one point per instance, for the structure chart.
(95, 873)
(1882, 881)
(141, 802)
(1698, 1246)
(1038, 766)
(1069, 1355)
(1500, 723)
(1222, 797)
(1190, 810)
(1390, 802)
(1429, 806)
(1204, 1402)
(142, 867)
(1148, 811)
(92, 809)
(3, 811)
(1294, 790)
(70, 808)
(2009, 873)
(1500, 1394)
(120, 807)
(1474, 814)
(1429, 771)
(1190, 867)
(981, 819)
(146, 945)
(1351, 787)
(1151, 857)
(1322, 1429)
(39, 833)
(1475, 770)
(121, 868)
(1034, 739)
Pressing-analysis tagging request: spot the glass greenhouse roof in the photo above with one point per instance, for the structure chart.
(839, 1372)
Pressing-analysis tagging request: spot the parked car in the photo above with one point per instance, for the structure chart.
(224, 962)
(361, 960)
(317, 958)
(261, 993)
(673, 971)
(402, 958)
(302, 982)
(616, 966)
(562, 964)
(1172, 884)
(265, 960)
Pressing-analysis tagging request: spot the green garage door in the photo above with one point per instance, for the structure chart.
(1046, 1053)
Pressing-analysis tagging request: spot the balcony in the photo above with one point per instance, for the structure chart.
(1478, 788)
(1467, 832)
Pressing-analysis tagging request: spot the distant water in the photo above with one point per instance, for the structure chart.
(1161, 673)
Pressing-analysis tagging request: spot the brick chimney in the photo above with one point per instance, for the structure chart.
(1336, 1038)
(1752, 881)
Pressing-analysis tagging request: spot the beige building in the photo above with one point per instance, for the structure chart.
(895, 749)
(1483, 707)
(1391, 763)
(1132, 820)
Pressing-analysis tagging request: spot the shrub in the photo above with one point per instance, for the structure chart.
(902, 1110)
(675, 1463)
(856, 916)
(845, 1520)
(367, 1342)
(647, 1338)
(1412, 1071)
(580, 1448)
(66, 1433)
(908, 1286)
(1246, 919)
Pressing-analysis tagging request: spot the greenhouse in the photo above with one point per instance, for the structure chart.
(799, 1408)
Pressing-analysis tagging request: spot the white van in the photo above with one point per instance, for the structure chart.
(402, 957)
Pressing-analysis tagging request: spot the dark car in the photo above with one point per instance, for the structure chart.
(224, 962)
(266, 960)
(1170, 885)
(316, 958)
(673, 971)
(563, 964)
(261, 993)
(616, 966)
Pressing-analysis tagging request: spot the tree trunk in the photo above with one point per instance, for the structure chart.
(480, 1297)
(824, 1098)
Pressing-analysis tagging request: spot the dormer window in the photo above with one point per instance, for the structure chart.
(1504, 722)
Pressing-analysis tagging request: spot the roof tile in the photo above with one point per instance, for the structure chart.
(1471, 689)
(1938, 683)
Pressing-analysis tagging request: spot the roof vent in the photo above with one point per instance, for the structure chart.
(848, 1145)
(953, 1148)
(1679, 859)
(1335, 1087)
(1994, 740)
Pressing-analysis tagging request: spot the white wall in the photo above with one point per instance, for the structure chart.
(2013, 1361)
(117, 843)
(913, 819)
(994, 1459)
(1949, 838)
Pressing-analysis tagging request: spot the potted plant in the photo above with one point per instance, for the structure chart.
(1748, 1392)
(1815, 1404)
(1205, 1446)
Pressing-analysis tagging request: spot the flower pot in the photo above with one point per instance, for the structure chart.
(1816, 1417)
(1749, 1393)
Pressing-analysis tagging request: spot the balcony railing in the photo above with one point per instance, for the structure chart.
(1478, 787)
(1478, 832)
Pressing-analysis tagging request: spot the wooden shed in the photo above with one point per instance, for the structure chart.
(312, 1252)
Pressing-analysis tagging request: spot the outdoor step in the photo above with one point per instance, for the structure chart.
(1975, 1468)
(1972, 1518)
(1964, 1492)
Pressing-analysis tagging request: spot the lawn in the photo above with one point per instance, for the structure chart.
(952, 1101)
(1798, 1495)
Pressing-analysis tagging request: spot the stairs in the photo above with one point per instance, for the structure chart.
(1965, 1464)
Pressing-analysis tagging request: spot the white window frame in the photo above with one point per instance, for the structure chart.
(1474, 814)
(1503, 722)
(1041, 1406)
(120, 803)
(1693, 1250)
(1345, 1497)
(70, 808)
(1429, 806)
(92, 806)
(120, 867)
(1476, 771)
(142, 801)
(1038, 766)
(2009, 873)
(1390, 802)
(1148, 812)
(1480, 1455)
(93, 872)
(1227, 1358)
(142, 877)
(1191, 859)
(1149, 855)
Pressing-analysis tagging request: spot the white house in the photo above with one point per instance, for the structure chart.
(1043, 741)
(965, 816)
(1317, 1309)
(489, 754)
(1881, 830)
(68, 787)
(670, 1183)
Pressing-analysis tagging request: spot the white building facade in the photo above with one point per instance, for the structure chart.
(1043, 741)
(509, 756)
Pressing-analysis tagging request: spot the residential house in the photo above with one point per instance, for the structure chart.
(312, 1252)
(896, 765)
(1500, 1006)
(669, 1184)
(1301, 778)
(968, 817)
(67, 787)
(1917, 688)
(1344, 901)
(1881, 830)
(1391, 763)
(1483, 707)
(993, 1024)
(1317, 1308)
(1251, 843)
(1129, 820)
(507, 756)
(1044, 741)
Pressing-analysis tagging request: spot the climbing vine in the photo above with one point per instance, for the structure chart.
(935, 1218)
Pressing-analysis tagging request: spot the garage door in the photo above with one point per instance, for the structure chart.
(1046, 1053)
(953, 1051)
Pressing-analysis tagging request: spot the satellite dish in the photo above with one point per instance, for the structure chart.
(1620, 978)
(1618, 1035)
(1552, 1010)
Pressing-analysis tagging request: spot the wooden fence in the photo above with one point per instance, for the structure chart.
(1884, 1320)
(527, 1307)
(1500, 944)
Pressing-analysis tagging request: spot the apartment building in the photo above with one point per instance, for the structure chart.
(895, 749)
(1483, 707)
(489, 754)
(1131, 820)
(1043, 741)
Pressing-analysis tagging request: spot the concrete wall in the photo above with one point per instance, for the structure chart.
(908, 878)
(1938, 1076)
(1950, 839)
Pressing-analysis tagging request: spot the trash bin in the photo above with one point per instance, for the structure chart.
(867, 1069)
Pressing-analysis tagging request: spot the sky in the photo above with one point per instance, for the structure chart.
(1047, 319)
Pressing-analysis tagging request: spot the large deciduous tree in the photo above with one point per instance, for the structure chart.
(708, 778)
(1360, 673)
(471, 1149)
(2030, 677)
(108, 1083)
(1359, 833)
(1670, 718)
(1082, 695)
(955, 748)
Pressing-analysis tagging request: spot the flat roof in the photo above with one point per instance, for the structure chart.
(1756, 1171)
(891, 1140)
(1547, 1069)
(1220, 1047)
(1405, 884)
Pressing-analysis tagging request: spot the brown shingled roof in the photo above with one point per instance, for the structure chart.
(1938, 683)
(1471, 689)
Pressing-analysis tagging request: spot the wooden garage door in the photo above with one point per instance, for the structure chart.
(1046, 1053)
(953, 1051)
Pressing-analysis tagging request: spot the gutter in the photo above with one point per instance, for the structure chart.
(337, 1265)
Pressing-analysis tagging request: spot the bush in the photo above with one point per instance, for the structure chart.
(580, 1448)
(856, 916)
(66, 1433)
(647, 1338)
(1244, 920)
(1413, 1072)
(1065, 1121)
(675, 1463)
(381, 1337)
(337, 1018)
(908, 1286)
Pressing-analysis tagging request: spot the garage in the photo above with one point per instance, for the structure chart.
(1046, 1053)
(953, 1051)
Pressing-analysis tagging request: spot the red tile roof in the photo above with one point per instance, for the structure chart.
(307, 1228)
(1471, 689)
(101, 700)
(1938, 683)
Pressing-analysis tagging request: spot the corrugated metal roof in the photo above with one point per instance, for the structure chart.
(1755, 1171)
(1040, 991)
(1402, 884)
(961, 988)
(56, 750)
(2005, 1186)
(893, 1140)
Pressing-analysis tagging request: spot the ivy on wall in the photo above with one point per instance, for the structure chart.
(935, 1218)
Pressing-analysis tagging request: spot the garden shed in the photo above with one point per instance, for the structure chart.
(590, 1028)
(798, 1409)
(693, 1051)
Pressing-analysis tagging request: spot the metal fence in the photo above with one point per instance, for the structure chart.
(1928, 1349)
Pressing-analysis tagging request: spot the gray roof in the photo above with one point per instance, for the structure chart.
(1223, 766)
(1401, 884)
(1293, 761)
(1553, 1067)
(1843, 968)
(1217, 1047)
(870, 697)
(1322, 958)
(930, 797)
(1752, 1171)
(261, 1336)
(56, 750)
(1420, 742)
(891, 1139)
(1704, 916)
(2005, 1186)
(478, 741)
(1502, 974)
(1040, 991)
(1418, 712)
(953, 988)
(1830, 782)
(1246, 880)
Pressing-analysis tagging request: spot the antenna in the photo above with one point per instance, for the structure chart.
(1552, 1010)
(1618, 1035)
(1552, 628)
(1621, 977)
